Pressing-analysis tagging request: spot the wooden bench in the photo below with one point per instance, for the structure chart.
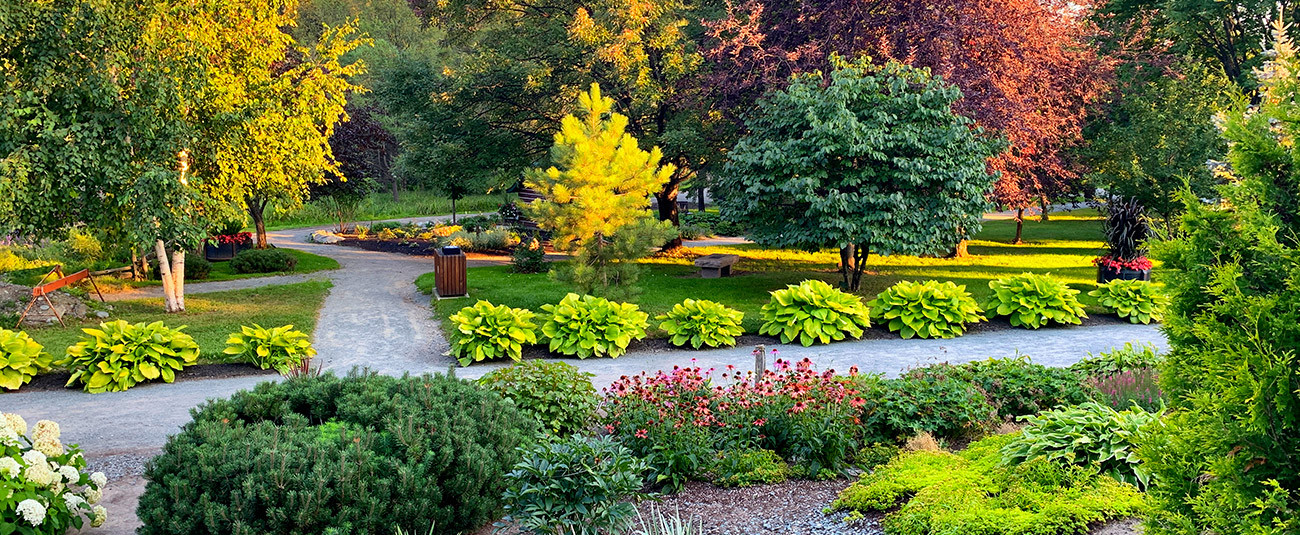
(716, 265)
(43, 291)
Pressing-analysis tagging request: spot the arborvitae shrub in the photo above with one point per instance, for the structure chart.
(359, 454)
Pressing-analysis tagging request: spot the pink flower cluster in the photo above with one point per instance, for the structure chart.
(1111, 263)
(243, 238)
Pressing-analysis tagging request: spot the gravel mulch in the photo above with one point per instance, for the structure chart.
(793, 507)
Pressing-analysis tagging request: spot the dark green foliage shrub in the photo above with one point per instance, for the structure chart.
(1126, 229)
(557, 395)
(746, 468)
(528, 257)
(1017, 386)
(196, 267)
(1089, 435)
(386, 225)
(937, 403)
(693, 232)
(974, 492)
(478, 223)
(576, 486)
(712, 224)
(361, 454)
(263, 261)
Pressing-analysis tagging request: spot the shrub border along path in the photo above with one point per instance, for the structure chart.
(375, 317)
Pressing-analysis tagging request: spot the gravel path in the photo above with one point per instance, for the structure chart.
(374, 317)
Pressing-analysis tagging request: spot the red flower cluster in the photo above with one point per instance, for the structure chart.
(1116, 264)
(243, 238)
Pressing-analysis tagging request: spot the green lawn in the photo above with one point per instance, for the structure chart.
(307, 263)
(380, 206)
(1064, 247)
(210, 317)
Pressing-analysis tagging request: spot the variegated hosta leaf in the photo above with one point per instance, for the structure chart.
(488, 331)
(118, 355)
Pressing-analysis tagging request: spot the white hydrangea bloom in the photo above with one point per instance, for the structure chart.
(101, 515)
(70, 474)
(99, 479)
(32, 457)
(46, 429)
(15, 422)
(40, 474)
(76, 459)
(93, 495)
(50, 446)
(8, 437)
(73, 501)
(9, 467)
(32, 511)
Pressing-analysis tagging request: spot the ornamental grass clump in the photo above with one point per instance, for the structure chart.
(1032, 301)
(680, 420)
(21, 358)
(813, 312)
(486, 332)
(702, 323)
(929, 309)
(365, 453)
(1136, 301)
(44, 489)
(119, 355)
(590, 326)
(281, 347)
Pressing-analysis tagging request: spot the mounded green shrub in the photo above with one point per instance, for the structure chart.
(21, 358)
(197, 267)
(574, 486)
(557, 395)
(590, 326)
(936, 403)
(1017, 386)
(1136, 301)
(702, 323)
(746, 468)
(1032, 301)
(1089, 435)
(486, 331)
(281, 347)
(929, 309)
(118, 355)
(263, 261)
(364, 453)
(813, 312)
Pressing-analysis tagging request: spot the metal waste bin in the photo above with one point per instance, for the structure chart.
(449, 273)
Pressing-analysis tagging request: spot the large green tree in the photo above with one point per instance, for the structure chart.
(865, 159)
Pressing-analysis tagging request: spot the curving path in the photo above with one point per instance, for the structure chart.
(375, 317)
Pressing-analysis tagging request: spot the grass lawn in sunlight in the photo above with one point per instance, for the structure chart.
(380, 206)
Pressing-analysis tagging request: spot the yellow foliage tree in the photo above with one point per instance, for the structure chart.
(596, 197)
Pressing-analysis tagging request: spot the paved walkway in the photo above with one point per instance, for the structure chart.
(374, 317)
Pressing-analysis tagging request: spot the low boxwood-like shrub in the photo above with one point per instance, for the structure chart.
(936, 492)
(1017, 386)
(486, 331)
(118, 355)
(1090, 435)
(590, 326)
(1032, 301)
(928, 309)
(811, 312)
(747, 468)
(1136, 301)
(263, 261)
(364, 453)
(702, 323)
(21, 358)
(577, 486)
(44, 489)
(557, 395)
(281, 347)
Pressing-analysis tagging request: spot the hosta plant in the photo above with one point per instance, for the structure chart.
(281, 348)
(1090, 435)
(43, 487)
(1032, 301)
(118, 355)
(702, 323)
(1136, 301)
(589, 326)
(928, 309)
(21, 358)
(812, 311)
(486, 331)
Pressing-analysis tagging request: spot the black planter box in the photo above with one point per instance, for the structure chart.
(1105, 274)
(221, 252)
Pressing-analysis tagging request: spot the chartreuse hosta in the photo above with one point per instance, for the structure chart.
(1136, 301)
(486, 331)
(811, 312)
(702, 323)
(589, 326)
(21, 358)
(281, 347)
(928, 309)
(118, 355)
(1032, 301)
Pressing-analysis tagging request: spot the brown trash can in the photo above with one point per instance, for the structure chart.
(449, 273)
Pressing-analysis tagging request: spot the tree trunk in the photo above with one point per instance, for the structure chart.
(256, 209)
(1042, 204)
(699, 196)
(165, 273)
(1020, 226)
(667, 201)
(846, 264)
(860, 253)
(959, 250)
(453, 210)
(178, 278)
(395, 199)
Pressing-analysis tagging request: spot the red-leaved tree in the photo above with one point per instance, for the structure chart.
(1027, 68)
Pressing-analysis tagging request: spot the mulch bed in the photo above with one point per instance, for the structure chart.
(411, 246)
(56, 380)
(793, 507)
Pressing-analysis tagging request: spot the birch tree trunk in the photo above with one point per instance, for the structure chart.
(178, 279)
(165, 273)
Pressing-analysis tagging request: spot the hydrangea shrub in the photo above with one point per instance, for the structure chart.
(44, 489)
(21, 358)
(813, 312)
